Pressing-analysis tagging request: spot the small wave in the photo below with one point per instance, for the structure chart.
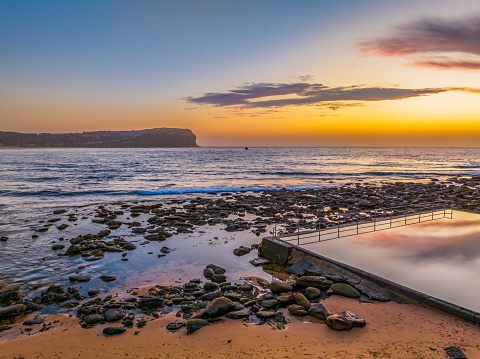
(467, 167)
(219, 189)
(52, 193)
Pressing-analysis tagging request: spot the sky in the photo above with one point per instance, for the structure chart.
(246, 73)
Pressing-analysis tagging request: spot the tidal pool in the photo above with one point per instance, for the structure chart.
(439, 258)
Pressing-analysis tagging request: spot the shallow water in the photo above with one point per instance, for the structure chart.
(440, 258)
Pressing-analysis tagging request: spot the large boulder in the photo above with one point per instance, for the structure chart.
(345, 290)
(219, 307)
(313, 281)
(12, 311)
(345, 321)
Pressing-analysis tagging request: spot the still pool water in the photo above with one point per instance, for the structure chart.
(440, 258)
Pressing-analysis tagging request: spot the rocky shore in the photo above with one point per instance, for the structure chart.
(200, 302)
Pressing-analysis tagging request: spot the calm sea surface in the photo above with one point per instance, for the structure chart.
(34, 182)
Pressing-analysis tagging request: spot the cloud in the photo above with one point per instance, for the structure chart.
(275, 95)
(458, 41)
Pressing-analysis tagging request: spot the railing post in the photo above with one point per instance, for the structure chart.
(432, 212)
(298, 233)
(405, 215)
(357, 225)
(319, 232)
(375, 221)
(338, 228)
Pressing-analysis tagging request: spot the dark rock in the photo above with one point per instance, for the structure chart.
(217, 269)
(92, 292)
(286, 299)
(344, 321)
(86, 310)
(237, 314)
(195, 324)
(373, 291)
(313, 281)
(270, 303)
(12, 311)
(258, 262)
(455, 353)
(175, 325)
(113, 330)
(317, 310)
(312, 293)
(247, 287)
(264, 314)
(32, 306)
(210, 296)
(112, 315)
(9, 295)
(280, 287)
(150, 303)
(241, 251)
(208, 272)
(199, 314)
(93, 318)
(219, 307)
(57, 246)
(108, 278)
(54, 294)
(165, 250)
(218, 278)
(3, 239)
(296, 309)
(345, 290)
(301, 300)
(34, 321)
(79, 279)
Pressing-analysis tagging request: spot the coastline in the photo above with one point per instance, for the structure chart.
(392, 331)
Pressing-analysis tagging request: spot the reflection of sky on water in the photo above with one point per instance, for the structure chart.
(440, 258)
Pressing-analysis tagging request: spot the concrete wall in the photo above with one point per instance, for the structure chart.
(298, 259)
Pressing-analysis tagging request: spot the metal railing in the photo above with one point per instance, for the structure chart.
(376, 220)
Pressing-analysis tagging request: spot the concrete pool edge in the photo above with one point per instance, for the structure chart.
(284, 253)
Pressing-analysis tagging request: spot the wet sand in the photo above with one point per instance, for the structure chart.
(392, 331)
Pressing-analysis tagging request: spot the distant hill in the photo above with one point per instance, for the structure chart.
(155, 137)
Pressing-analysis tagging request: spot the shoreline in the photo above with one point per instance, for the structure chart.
(393, 331)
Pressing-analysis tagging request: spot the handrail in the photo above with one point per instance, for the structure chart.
(386, 218)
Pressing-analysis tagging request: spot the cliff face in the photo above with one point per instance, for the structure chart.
(155, 137)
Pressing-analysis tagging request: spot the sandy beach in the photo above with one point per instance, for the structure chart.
(392, 331)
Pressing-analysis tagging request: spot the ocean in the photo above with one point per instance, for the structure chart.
(35, 182)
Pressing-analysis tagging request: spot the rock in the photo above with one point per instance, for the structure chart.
(285, 299)
(210, 296)
(345, 290)
(219, 307)
(195, 324)
(86, 310)
(79, 279)
(175, 325)
(54, 294)
(241, 251)
(235, 297)
(93, 318)
(257, 262)
(3, 239)
(3, 284)
(312, 292)
(280, 287)
(373, 291)
(208, 272)
(239, 314)
(92, 292)
(9, 295)
(455, 353)
(108, 278)
(199, 314)
(32, 306)
(296, 309)
(301, 300)
(57, 246)
(216, 269)
(112, 315)
(344, 321)
(218, 278)
(150, 303)
(270, 303)
(317, 310)
(34, 321)
(246, 287)
(264, 314)
(12, 311)
(313, 281)
(113, 330)
(165, 250)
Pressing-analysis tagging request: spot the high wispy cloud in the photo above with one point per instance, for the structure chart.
(274, 95)
(434, 43)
